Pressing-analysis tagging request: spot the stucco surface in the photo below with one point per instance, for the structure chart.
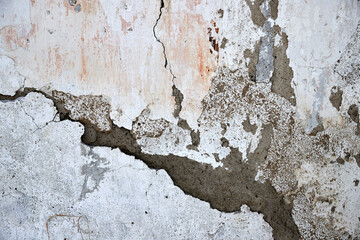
(189, 119)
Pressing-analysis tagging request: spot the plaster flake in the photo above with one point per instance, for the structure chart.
(10, 79)
(31, 105)
(82, 54)
(315, 44)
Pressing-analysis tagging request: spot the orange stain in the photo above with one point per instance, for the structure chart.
(124, 25)
(12, 40)
(83, 64)
(191, 4)
(193, 55)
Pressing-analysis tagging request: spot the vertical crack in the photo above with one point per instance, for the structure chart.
(162, 5)
(175, 91)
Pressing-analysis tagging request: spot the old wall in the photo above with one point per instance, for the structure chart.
(188, 119)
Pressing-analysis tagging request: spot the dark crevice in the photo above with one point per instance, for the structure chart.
(225, 188)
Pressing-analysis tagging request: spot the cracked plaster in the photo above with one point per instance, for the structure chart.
(188, 83)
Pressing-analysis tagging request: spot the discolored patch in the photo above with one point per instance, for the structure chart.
(356, 182)
(353, 112)
(221, 13)
(348, 66)
(340, 161)
(224, 42)
(224, 142)
(93, 172)
(317, 129)
(72, 2)
(77, 8)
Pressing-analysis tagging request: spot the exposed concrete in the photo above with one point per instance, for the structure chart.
(256, 15)
(353, 112)
(179, 97)
(253, 57)
(283, 74)
(248, 127)
(336, 97)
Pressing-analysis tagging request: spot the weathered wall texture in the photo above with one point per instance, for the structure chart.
(188, 119)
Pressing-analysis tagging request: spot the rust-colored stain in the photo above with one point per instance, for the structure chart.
(194, 55)
(10, 39)
(83, 64)
(125, 25)
(76, 42)
(191, 4)
(212, 38)
(88, 50)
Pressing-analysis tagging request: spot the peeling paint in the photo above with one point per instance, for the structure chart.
(189, 119)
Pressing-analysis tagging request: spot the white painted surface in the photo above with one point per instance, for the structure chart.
(10, 79)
